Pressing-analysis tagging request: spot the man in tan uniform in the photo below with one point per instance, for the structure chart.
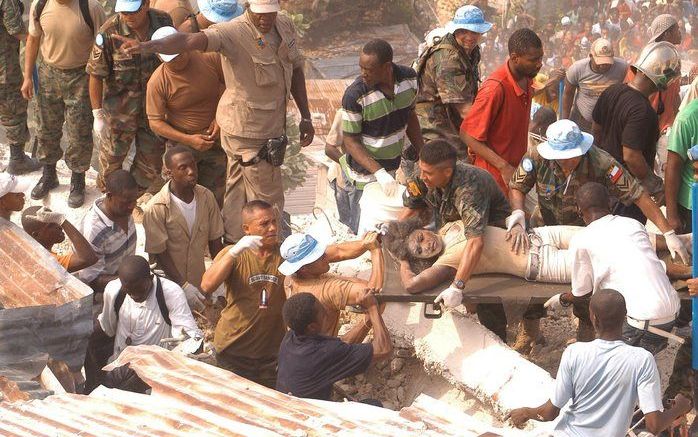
(211, 12)
(263, 68)
(251, 327)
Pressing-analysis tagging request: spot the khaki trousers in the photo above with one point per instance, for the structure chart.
(260, 181)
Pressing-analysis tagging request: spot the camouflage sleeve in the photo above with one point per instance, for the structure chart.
(451, 80)
(524, 178)
(12, 17)
(473, 205)
(621, 183)
(414, 196)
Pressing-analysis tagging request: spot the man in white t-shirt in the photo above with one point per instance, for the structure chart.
(145, 302)
(587, 78)
(616, 252)
(603, 380)
(181, 223)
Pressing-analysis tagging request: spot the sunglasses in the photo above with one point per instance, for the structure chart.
(140, 8)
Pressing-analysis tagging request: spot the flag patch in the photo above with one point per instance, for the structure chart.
(614, 173)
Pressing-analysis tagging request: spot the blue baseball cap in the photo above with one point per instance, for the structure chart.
(469, 17)
(127, 5)
(565, 141)
(220, 11)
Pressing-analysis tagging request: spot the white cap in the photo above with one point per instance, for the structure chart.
(264, 6)
(160, 34)
(12, 184)
(565, 21)
(299, 250)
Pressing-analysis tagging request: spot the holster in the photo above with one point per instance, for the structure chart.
(274, 152)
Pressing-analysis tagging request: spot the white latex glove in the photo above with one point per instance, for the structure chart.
(555, 304)
(99, 125)
(517, 217)
(676, 247)
(451, 297)
(388, 183)
(246, 242)
(194, 297)
(45, 215)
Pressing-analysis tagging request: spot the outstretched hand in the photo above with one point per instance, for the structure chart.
(131, 46)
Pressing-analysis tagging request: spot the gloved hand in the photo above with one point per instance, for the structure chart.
(246, 242)
(45, 215)
(99, 126)
(676, 247)
(388, 183)
(517, 217)
(451, 297)
(194, 297)
(557, 302)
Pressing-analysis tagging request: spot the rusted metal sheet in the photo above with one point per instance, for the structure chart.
(324, 99)
(192, 398)
(43, 309)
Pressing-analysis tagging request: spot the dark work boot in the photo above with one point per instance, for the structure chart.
(21, 163)
(77, 190)
(48, 181)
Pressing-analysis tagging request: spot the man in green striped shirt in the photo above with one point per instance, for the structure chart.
(378, 113)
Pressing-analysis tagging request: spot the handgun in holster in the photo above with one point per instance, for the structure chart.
(273, 151)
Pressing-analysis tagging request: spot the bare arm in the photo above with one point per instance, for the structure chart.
(650, 209)
(299, 92)
(168, 266)
(220, 269)
(517, 199)
(357, 151)
(471, 256)
(568, 99)
(377, 266)
(352, 249)
(31, 51)
(425, 280)
(333, 152)
(483, 150)
(635, 162)
(382, 345)
(201, 142)
(172, 45)
(658, 421)
(358, 332)
(96, 86)
(414, 132)
(83, 254)
(543, 413)
(672, 183)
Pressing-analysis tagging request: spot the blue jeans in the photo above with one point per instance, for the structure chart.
(347, 198)
(652, 343)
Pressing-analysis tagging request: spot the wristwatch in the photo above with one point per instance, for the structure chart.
(459, 284)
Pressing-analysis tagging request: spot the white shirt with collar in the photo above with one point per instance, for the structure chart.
(143, 322)
(615, 252)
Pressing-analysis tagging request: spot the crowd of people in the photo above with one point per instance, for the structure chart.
(498, 173)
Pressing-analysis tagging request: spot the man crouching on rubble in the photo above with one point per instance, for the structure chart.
(309, 362)
(605, 379)
(307, 261)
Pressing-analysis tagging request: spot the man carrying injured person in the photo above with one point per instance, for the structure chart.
(306, 265)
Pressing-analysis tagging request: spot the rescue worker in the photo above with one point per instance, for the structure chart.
(557, 168)
(117, 92)
(448, 76)
(13, 108)
(252, 112)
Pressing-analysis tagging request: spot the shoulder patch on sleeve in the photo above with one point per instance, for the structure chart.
(527, 165)
(614, 173)
(413, 189)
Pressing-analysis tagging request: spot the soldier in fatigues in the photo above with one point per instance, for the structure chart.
(117, 90)
(460, 192)
(13, 108)
(449, 76)
(63, 31)
(557, 168)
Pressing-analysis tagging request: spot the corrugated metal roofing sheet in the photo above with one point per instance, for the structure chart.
(192, 398)
(324, 98)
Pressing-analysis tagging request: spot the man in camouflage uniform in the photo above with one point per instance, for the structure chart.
(448, 75)
(460, 192)
(117, 91)
(13, 108)
(557, 168)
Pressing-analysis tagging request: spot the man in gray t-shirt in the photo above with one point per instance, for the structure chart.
(588, 78)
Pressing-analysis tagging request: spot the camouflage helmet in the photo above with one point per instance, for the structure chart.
(660, 62)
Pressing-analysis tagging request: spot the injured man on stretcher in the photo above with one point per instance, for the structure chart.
(428, 259)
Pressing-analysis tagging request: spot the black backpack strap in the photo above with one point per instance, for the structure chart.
(160, 296)
(85, 9)
(40, 5)
(119, 301)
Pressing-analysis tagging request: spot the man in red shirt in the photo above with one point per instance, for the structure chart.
(496, 127)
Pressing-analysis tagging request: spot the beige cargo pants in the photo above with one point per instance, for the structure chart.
(261, 181)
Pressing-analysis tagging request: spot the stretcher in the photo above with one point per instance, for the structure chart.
(486, 288)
